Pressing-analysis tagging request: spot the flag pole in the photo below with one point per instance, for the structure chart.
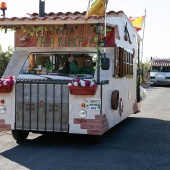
(142, 45)
(105, 19)
(99, 43)
(143, 36)
(106, 1)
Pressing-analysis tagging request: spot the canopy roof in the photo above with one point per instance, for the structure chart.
(160, 62)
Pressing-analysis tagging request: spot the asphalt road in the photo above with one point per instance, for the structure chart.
(141, 142)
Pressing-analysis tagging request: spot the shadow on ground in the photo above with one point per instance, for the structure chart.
(135, 143)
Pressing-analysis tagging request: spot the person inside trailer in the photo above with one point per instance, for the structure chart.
(66, 67)
(87, 69)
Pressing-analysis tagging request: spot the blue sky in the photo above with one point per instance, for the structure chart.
(156, 34)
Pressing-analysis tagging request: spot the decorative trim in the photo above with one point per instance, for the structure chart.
(117, 32)
(97, 126)
(120, 107)
(115, 99)
(3, 126)
(135, 107)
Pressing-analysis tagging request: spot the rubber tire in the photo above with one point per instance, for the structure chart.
(115, 99)
(20, 135)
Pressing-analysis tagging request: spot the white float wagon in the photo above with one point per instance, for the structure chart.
(41, 101)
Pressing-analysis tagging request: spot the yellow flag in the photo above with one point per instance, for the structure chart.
(97, 8)
(137, 22)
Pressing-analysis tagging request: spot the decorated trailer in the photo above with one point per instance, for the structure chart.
(36, 96)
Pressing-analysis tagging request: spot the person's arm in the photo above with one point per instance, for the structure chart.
(74, 67)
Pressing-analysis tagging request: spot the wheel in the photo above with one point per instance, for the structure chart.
(19, 135)
(115, 99)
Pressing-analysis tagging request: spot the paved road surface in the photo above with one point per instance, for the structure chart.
(141, 142)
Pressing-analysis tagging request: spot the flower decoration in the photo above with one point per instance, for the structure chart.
(83, 83)
(10, 80)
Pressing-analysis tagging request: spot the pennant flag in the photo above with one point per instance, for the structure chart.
(137, 22)
(96, 7)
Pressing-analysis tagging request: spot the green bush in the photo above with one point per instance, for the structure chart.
(4, 59)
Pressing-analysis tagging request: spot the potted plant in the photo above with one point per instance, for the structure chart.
(82, 87)
(48, 64)
(6, 84)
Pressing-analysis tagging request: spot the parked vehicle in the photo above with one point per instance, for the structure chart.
(160, 72)
(41, 100)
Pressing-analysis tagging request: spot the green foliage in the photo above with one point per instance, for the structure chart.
(4, 59)
(146, 64)
(48, 64)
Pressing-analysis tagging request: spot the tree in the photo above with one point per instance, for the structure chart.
(4, 59)
(146, 64)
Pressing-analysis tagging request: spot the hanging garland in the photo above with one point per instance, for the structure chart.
(32, 29)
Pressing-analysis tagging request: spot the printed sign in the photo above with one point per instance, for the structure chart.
(56, 36)
(76, 35)
(93, 104)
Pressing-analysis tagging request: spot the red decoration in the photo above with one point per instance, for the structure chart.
(110, 39)
(80, 90)
(6, 88)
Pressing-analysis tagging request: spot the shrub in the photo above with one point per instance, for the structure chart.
(4, 59)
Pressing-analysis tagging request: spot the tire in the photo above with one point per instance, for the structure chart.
(115, 99)
(20, 135)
